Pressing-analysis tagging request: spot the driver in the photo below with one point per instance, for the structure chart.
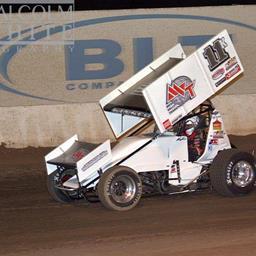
(194, 135)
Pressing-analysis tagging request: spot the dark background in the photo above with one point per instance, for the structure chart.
(134, 4)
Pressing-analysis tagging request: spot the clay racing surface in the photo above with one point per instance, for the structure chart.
(31, 223)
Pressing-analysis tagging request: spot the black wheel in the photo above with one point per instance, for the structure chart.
(233, 172)
(58, 178)
(120, 188)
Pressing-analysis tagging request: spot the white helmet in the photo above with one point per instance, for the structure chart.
(191, 124)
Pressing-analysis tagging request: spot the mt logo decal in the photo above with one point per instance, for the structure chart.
(179, 91)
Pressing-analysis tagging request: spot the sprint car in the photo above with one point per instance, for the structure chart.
(188, 150)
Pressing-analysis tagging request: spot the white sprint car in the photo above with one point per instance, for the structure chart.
(188, 150)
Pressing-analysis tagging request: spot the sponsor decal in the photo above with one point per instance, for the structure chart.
(173, 169)
(214, 141)
(94, 160)
(130, 112)
(221, 81)
(230, 63)
(181, 138)
(218, 130)
(167, 124)
(210, 146)
(218, 135)
(217, 125)
(233, 71)
(179, 91)
(229, 171)
(216, 54)
(218, 73)
(78, 155)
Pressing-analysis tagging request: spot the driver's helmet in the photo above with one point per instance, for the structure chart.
(191, 124)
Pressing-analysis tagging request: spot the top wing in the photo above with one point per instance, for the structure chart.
(171, 86)
(184, 87)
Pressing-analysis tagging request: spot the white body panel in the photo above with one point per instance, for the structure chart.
(188, 172)
(92, 162)
(127, 146)
(159, 154)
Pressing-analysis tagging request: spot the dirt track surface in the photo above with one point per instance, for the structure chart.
(31, 223)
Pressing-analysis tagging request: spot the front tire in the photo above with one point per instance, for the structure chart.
(57, 178)
(120, 188)
(233, 172)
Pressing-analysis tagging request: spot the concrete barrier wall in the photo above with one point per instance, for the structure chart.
(48, 93)
(49, 125)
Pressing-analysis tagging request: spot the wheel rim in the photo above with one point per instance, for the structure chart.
(123, 189)
(242, 174)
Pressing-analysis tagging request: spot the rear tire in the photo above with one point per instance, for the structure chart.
(233, 172)
(59, 195)
(120, 188)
